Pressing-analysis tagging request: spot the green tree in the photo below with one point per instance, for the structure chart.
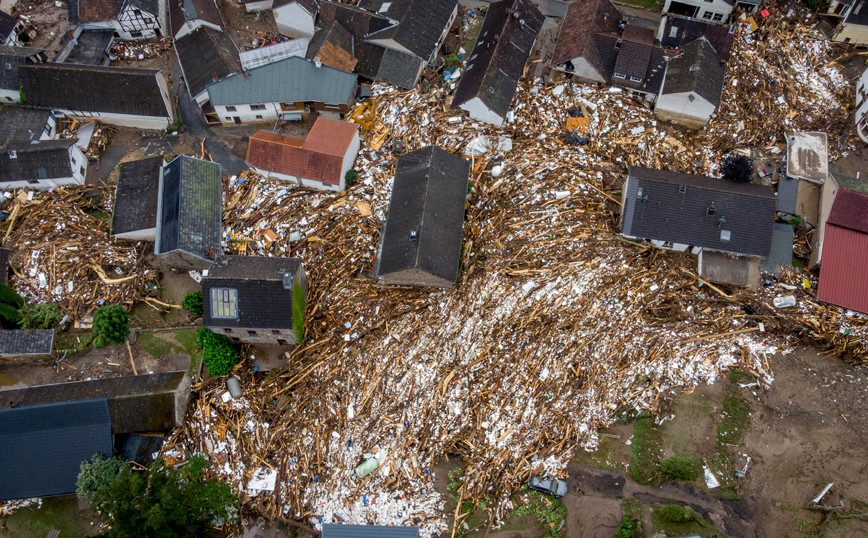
(299, 306)
(40, 316)
(217, 352)
(351, 176)
(110, 323)
(165, 503)
(97, 474)
(192, 302)
(8, 296)
(676, 513)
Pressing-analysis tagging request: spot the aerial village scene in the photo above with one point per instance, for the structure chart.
(433, 268)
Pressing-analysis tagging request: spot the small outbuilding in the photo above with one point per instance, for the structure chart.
(420, 243)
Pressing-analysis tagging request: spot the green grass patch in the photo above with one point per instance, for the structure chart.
(646, 451)
(59, 513)
(548, 510)
(687, 468)
(603, 457)
(185, 342)
(632, 525)
(676, 520)
(647, 4)
(74, 343)
(734, 422)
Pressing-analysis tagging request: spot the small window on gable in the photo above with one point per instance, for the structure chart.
(635, 79)
(639, 193)
(621, 76)
(691, 98)
(251, 333)
(725, 235)
(230, 108)
(682, 189)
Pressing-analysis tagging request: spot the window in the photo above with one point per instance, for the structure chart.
(708, 15)
(635, 79)
(230, 108)
(725, 235)
(258, 116)
(251, 333)
(691, 98)
(275, 331)
(234, 338)
(710, 211)
(619, 75)
(223, 303)
(682, 189)
(137, 12)
(81, 171)
(149, 20)
(257, 107)
(135, 34)
(33, 181)
(717, 17)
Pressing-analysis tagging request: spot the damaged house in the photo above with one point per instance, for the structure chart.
(11, 60)
(496, 64)
(128, 19)
(126, 97)
(294, 18)
(134, 214)
(187, 15)
(189, 213)
(706, 10)
(205, 56)
(692, 87)
(728, 224)
(420, 243)
(255, 299)
(595, 45)
(321, 160)
(286, 87)
(10, 30)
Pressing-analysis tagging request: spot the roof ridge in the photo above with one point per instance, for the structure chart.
(424, 204)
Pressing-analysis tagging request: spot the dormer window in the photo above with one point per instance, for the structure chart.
(621, 76)
(635, 79)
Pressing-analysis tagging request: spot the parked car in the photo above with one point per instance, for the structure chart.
(549, 486)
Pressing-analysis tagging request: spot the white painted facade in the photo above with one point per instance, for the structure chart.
(687, 108)
(232, 114)
(12, 39)
(293, 21)
(189, 26)
(148, 234)
(861, 114)
(583, 70)
(77, 164)
(714, 11)
(10, 96)
(263, 5)
(121, 120)
(477, 110)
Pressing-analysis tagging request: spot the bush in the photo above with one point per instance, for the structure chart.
(97, 474)
(299, 306)
(110, 323)
(681, 468)
(676, 513)
(351, 176)
(10, 314)
(736, 168)
(627, 528)
(217, 353)
(8, 296)
(165, 502)
(818, 5)
(40, 316)
(192, 302)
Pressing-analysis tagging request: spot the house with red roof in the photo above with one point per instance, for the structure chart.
(843, 274)
(320, 160)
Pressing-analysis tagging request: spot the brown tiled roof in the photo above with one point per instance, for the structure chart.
(99, 10)
(318, 157)
(334, 47)
(583, 19)
(334, 56)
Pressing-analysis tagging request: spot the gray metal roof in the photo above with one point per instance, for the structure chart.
(285, 81)
(368, 531)
(782, 249)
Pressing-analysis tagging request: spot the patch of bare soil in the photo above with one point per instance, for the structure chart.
(46, 21)
(246, 28)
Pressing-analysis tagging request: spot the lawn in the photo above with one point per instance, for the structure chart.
(59, 513)
(182, 341)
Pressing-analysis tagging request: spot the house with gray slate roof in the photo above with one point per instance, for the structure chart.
(205, 55)
(282, 88)
(11, 59)
(189, 213)
(692, 87)
(34, 344)
(420, 243)
(250, 298)
(496, 63)
(730, 224)
(134, 216)
(10, 28)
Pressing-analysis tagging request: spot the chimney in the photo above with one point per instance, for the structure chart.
(317, 62)
(214, 76)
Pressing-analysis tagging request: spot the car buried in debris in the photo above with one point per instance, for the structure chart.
(549, 486)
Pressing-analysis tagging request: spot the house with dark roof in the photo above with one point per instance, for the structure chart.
(320, 161)
(675, 32)
(706, 10)
(10, 30)
(250, 299)
(596, 45)
(42, 447)
(187, 15)
(843, 278)
(21, 344)
(723, 221)
(42, 164)
(332, 530)
(189, 213)
(333, 46)
(11, 59)
(87, 47)
(692, 87)
(26, 124)
(420, 243)
(294, 18)
(136, 403)
(205, 55)
(134, 216)
(286, 87)
(5, 269)
(126, 97)
(419, 28)
(128, 19)
(496, 64)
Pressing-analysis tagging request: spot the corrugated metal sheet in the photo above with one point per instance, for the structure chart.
(285, 81)
(843, 275)
(272, 53)
(368, 531)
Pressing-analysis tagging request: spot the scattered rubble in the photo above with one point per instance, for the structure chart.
(128, 51)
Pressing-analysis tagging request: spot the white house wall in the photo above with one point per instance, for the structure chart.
(148, 234)
(77, 164)
(297, 180)
(585, 71)
(715, 6)
(122, 120)
(246, 114)
(479, 111)
(189, 26)
(678, 108)
(861, 114)
(293, 21)
(349, 159)
(264, 5)
(10, 96)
